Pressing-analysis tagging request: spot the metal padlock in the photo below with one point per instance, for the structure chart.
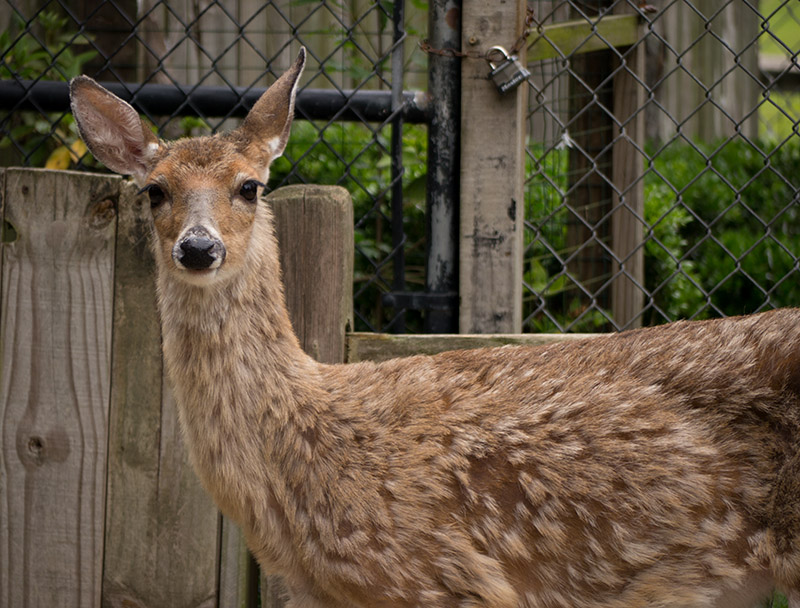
(509, 73)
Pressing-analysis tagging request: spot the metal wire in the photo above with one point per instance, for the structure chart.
(682, 203)
(712, 181)
(194, 68)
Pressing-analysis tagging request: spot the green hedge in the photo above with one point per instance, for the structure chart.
(738, 235)
(722, 235)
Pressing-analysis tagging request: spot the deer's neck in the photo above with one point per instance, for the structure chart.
(240, 377)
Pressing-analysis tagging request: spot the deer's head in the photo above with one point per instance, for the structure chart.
(204, 191)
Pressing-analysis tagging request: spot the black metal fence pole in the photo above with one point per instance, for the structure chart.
(444, 86)
(398, 233)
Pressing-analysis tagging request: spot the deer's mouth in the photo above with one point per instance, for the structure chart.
(199, 278)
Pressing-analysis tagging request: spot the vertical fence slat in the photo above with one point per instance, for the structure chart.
(56, 343)
(238, 574)
(314, 226)
(134, 423)
(627, 162)
(492, 173)
(714, 43)
(162, 530)
(187, 544)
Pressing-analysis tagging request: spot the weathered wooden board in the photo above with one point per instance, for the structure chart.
(627, 162)
(713, 94)
(492, 175)
(135, 419)
(162, 530)
(238, 572)
(588, 195)
(57, 298)
(188, 522)
(314, 225)
(582, 36)
(380, 347)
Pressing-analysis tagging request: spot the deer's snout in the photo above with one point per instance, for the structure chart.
(198, 249)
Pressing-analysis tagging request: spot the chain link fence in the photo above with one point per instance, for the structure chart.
(193, 68)
(663, 177)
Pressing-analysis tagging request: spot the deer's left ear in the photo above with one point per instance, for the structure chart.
(265, 131)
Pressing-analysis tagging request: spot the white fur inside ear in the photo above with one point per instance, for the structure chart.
(275, 147)
(113, 138)
(272, 148)
(114, 133)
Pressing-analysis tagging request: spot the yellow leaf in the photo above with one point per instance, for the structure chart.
(78, 149)
(59, 159)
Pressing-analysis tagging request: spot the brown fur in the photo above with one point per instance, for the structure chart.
(653, 468)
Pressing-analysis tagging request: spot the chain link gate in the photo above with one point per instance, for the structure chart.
(700, 159)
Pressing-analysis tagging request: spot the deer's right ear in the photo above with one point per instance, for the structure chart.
(112, 129)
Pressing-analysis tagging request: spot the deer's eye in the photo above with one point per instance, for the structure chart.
(249, 190)
(155, 193)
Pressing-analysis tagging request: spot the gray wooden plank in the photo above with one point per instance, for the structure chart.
(187, 539)
(314, 226)
(162, 529)
(492, 174)
(582, 36)
(717, 54)
(238, 573)
(56, 342)
(380, 347)
(627, 167)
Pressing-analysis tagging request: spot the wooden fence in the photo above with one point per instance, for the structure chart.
(98, 503)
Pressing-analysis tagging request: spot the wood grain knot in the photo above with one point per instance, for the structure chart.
(9, 232)
(35, 445)
(36, 450)
(102, 213)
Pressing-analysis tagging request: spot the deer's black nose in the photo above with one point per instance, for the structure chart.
(198, 250)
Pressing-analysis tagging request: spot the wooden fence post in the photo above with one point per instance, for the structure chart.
(314, 226)
(56, 341)
(588, 174)
(605, 167)
(627, 162)
(492, 173)
(162, 529)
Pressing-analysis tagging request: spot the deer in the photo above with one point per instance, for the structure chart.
(654, 467)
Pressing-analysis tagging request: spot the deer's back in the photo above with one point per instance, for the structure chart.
(578, 473)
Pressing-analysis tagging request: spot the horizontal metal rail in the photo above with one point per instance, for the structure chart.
(219, 101)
